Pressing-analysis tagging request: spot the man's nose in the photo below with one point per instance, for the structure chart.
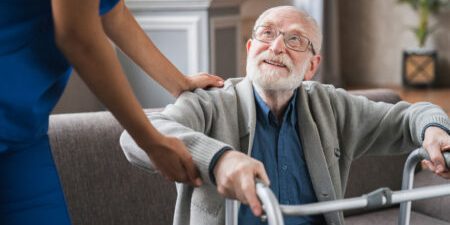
(277, 45)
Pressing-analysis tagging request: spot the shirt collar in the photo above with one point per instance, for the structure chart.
(290, 114)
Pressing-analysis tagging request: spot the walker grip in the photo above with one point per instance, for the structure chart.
(424, 154)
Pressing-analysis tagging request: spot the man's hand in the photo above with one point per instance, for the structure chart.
(235, 175)
(436, 141)
(204, 80)
(173, 161)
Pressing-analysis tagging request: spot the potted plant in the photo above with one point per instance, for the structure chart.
(420, 65)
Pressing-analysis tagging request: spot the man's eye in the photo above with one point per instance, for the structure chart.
(294, 38)
(294, 41)
(267, 32)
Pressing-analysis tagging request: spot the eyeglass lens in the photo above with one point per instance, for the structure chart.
(292, 39)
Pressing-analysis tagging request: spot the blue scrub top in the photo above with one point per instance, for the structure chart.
(33, 72)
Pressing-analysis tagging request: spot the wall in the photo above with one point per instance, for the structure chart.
(77, 98)
(224, 41)
(442, 41)
(373, 35)
(180, 29)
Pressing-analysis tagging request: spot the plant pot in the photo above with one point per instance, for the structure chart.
(419, 68)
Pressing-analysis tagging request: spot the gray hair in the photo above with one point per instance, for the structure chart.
(316, 36)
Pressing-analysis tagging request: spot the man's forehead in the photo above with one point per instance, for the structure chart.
(301, 27)
(286, 27)
(285, 19)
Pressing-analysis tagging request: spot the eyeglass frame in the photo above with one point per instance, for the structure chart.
(278, 33)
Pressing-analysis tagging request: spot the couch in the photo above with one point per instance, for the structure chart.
(102, 188)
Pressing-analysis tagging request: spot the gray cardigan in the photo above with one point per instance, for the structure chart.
(335, 128)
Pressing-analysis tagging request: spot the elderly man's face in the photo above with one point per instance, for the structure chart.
(273, 66)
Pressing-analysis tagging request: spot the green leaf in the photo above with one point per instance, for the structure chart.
(424, 8)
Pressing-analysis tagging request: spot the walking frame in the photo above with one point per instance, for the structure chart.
(379, 198)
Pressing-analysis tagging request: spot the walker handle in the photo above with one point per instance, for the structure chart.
(408, 178)
(424, 155)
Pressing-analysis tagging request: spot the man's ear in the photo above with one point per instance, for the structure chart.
(248, 45)
(314, 65)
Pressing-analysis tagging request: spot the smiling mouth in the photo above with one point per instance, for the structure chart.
(274, 63)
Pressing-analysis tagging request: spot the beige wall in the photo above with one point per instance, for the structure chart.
(373, 35)
(77, 98)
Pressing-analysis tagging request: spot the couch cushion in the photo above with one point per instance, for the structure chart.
(100, 185)
(390, 216)
(435, 207)
(372, 172)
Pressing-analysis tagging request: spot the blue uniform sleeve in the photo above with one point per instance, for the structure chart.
(107, 5)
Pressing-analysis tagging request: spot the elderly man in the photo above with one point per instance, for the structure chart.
(300, 136)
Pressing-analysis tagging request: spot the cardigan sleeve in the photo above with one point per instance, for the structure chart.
(367, 127)
(190, 119)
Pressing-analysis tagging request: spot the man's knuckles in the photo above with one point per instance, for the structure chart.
(222, 190)
(248, 187)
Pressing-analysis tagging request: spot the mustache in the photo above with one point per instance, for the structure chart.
(283, 58)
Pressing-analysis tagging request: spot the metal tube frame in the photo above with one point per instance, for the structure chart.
(378, 198)
(408, 178)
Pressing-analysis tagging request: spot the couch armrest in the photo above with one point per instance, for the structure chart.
(100, 185)
(378, 95)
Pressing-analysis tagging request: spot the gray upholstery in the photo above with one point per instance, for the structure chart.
(100, 185)
(390, 217)
(379, 95)
(438, 208)
(372, 172)
(102, 188)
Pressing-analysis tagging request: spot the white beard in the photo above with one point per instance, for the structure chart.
(268, 79)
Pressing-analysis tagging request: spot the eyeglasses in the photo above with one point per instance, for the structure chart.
(292, 40)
